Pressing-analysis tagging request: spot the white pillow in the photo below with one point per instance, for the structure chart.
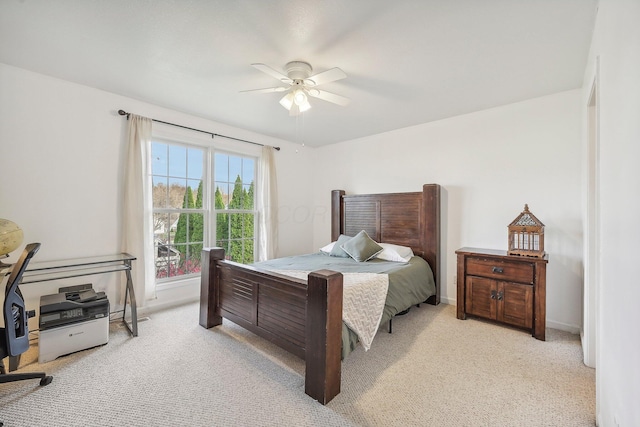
(395, 253)
(327, 249)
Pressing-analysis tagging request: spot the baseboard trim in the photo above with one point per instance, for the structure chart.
(573, 329)
(168, 297)
(563, 327)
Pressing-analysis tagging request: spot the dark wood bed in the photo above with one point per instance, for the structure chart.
(305, 316)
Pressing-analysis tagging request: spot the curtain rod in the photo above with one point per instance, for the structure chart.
(124, 113)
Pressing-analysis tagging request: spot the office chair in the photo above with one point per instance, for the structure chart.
(14, 337)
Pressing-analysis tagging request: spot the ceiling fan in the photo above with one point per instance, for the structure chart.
(301, 84)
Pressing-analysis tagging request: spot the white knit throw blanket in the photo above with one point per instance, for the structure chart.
(363, 299)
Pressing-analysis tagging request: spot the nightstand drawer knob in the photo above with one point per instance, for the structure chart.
(497, 270)
(497, 295)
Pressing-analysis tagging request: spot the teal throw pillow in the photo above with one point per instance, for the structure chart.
(337, 250)
(362, 247)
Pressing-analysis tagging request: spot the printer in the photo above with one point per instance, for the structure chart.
(74, 319)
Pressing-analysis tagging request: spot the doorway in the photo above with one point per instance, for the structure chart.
(592, 255)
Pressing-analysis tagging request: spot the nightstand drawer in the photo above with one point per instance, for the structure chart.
(512, 271)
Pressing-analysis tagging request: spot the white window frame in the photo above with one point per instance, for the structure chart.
(178, 136)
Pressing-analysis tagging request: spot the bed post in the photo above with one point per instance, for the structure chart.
(431, 236)
(323, 335)
(337, 213)
(208, 287)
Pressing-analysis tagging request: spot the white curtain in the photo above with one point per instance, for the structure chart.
(136, 209)
(267, 206)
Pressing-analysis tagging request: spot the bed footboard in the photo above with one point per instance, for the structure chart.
(302, 317)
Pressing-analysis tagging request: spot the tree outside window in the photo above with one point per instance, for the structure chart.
(234, 203)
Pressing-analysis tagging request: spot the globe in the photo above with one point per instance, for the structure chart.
(10, 236)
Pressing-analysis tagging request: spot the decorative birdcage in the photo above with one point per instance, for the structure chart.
(526, 235)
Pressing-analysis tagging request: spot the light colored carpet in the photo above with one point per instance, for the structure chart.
(434, 370)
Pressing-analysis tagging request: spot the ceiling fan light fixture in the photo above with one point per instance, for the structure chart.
(300, 98)
(287, 101)
(304, 106)
(296, 102)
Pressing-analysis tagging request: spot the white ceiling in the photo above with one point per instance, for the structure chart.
(407, 61)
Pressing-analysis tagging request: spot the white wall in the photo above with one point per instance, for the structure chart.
(490, 163)
(62, 147)
(616, 44)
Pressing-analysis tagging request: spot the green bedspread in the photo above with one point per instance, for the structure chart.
(409, 283)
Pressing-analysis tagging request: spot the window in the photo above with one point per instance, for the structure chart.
(179, 198)
(183, 217)
(234, 202)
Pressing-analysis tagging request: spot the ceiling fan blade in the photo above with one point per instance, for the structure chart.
(330, 97)
(273, 73)
(326, 77)
(268, 90)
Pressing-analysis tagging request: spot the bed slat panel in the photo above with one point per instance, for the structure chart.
(399, 224)
(362, 215)
(282, 314)
(237, 295)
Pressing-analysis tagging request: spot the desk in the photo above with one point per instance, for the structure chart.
(64, 269)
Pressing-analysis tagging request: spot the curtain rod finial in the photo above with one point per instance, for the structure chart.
(123, 113)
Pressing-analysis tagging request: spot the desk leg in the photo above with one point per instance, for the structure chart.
(14, 362)
(133, 328)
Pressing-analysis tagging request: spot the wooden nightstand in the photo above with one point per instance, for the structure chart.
(510, 289)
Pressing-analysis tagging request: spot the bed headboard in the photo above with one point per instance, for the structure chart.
(407, 219)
